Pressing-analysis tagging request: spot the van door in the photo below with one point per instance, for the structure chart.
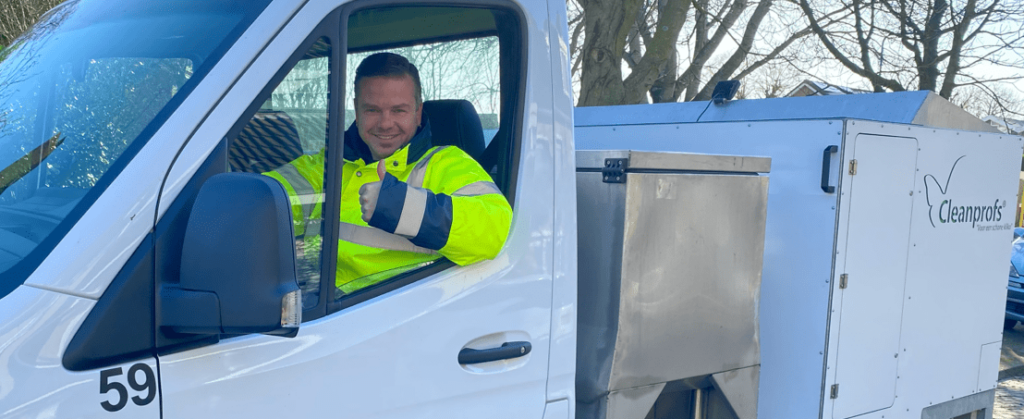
(882, 174)
(390, 350)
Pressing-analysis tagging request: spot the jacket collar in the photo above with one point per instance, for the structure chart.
(357, 151)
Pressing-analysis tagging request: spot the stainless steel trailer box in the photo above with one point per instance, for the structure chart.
(886, 243)
(670, 246)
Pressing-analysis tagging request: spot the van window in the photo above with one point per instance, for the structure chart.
(469, 64)
(81, 92)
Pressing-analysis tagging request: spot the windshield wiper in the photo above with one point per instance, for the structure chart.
(28, 162)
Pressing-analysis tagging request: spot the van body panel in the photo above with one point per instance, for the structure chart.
(35, 327)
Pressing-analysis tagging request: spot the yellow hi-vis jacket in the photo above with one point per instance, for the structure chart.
(433, 202)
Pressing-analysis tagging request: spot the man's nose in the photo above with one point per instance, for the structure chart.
(387, 120)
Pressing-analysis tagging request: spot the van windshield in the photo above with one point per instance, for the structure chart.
(80, 93)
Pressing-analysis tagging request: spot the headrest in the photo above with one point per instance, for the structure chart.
(455, 122)
(270, 140)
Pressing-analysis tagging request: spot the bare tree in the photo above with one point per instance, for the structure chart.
(16, 16)
(935, 45)
(983, 100)
(668, 46)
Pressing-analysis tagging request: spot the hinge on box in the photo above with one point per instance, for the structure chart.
(614, 170)
(834, 394)
(842, 281)
(853, 167)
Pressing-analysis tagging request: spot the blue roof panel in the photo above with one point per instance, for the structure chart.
(917, 107)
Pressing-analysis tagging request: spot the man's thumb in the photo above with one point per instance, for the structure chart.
(380, 169)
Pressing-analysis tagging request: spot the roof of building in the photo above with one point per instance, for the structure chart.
(820, 88)
(1009, 125)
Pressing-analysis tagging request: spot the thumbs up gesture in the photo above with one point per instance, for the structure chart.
(369, 192)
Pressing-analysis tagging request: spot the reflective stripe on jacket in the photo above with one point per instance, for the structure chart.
(449, 207)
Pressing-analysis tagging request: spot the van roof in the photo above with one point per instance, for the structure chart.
(924, 108)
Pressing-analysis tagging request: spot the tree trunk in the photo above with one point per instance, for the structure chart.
(607, 22)
(928, 68)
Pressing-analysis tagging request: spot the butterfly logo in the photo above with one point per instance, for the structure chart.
(932, 188)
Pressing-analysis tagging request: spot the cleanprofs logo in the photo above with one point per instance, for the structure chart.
(944, 208)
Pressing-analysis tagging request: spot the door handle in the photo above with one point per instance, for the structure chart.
(507, 350)
(826, 161)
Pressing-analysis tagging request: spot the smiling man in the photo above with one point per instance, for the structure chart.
(404, 201)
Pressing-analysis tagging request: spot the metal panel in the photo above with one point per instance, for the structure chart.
(676, 161)
(988, 370)
(36, 326)
(881, 203)
(601, 208)
(691, 276)
(799, 238)
(982, 401)
(955, 287)
(669, 279)
(562, 361)
(739, 387)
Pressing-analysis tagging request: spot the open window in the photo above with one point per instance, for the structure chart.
(471, 63)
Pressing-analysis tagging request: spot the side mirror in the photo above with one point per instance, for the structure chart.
(237, 262)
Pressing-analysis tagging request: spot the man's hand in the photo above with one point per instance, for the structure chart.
(368, 193)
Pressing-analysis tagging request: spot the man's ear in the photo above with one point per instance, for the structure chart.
(419, 114)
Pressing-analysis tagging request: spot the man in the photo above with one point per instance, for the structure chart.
(404, 202)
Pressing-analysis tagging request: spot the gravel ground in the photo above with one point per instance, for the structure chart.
(1010, 393)
(1009, 399)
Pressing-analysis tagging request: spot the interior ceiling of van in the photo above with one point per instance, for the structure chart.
(391, 27)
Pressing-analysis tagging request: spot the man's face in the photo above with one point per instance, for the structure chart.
(386, 113)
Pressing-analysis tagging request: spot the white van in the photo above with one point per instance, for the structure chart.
(145, 273)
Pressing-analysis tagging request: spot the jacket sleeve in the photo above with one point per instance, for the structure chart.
(459, 212)
(481, 216)
(303, 180)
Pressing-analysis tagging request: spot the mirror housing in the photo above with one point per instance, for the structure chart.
(237, 262)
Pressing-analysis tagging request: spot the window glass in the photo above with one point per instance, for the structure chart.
(80, 93)
(286, 139)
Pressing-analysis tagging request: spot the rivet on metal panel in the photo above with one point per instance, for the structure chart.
(911, 193)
